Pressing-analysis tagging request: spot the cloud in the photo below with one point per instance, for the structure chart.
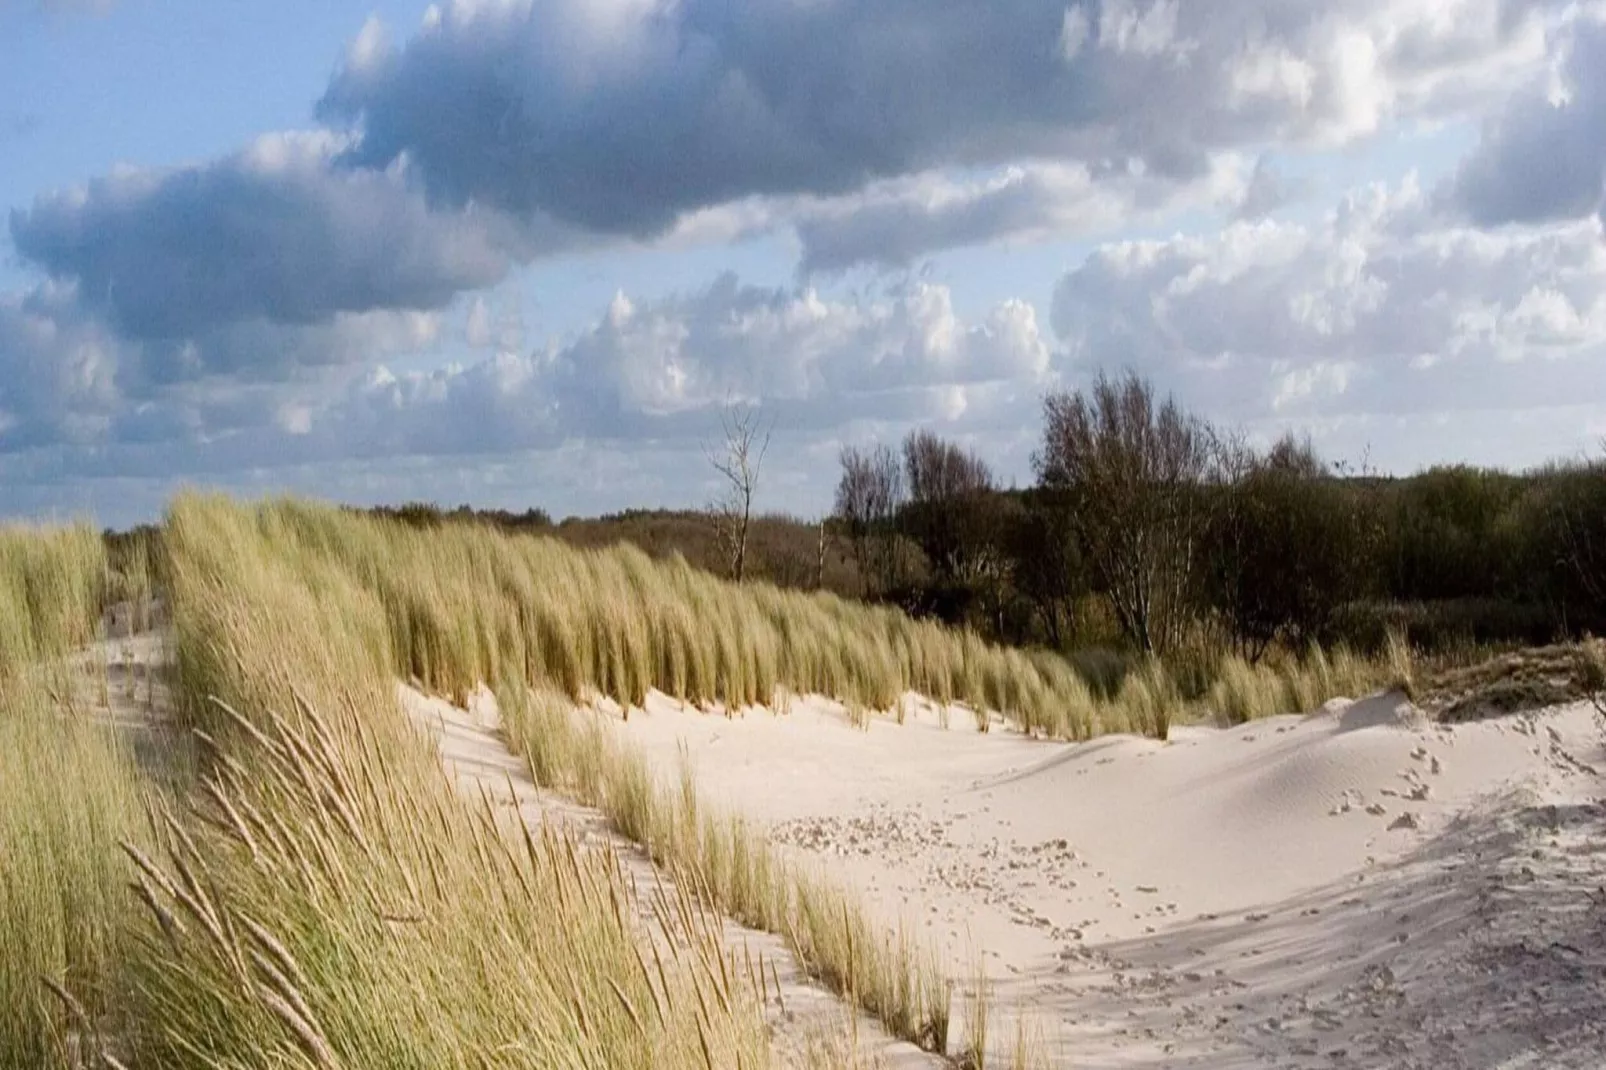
(270, 235)
(622, 116)
(1378, 309)
(895, 223)
(645, 370)
(655, 370)
(57, 374)
(1268, 190)
(1543, 156)
(67, 379)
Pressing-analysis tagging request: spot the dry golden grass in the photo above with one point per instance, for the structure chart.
(68, 794)
(342, 906)
(51, 580)
(413, 607)
(1245, 692)
(458, 606)
(324, 898)
(893, 977)
(466, 604)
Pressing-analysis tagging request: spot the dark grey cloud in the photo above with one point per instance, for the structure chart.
(1543, 156)
(622, 115)
(271, 235)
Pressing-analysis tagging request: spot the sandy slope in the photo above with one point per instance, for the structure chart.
(804, 1016)
(1353, 888)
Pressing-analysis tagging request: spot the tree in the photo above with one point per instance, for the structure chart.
(948, 514)
(1578, 506)
(1045, 561)
(738, 460)
(868, 497)
(1133, 471)
(1288, 546)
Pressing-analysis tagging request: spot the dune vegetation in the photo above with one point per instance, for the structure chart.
(315, 892)
(68, 796)
(467, 604)
(319, 895)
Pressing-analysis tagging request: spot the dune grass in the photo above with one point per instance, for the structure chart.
(466, 604)
(342, 906)
(217, 549)
(68, 794)
(552, 625)
(51, 581)
(1245, 692)
(894, 977)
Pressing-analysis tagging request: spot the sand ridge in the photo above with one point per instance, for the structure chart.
(1357, 887)
(803, 1016)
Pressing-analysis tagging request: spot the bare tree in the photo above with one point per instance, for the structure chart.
(739, 460)
(868, 497)
(1134, 472)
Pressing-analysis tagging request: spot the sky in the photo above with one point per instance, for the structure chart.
(516, 253)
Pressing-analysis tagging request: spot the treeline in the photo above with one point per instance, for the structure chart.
(1150, 529)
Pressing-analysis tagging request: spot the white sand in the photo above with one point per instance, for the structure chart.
(1353, 888)
(805, 1014)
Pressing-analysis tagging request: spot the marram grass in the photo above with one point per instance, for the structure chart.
(274, 615)
(51, 581)
(894, 977)
(68, 794)
(342, 906)
(466, 604)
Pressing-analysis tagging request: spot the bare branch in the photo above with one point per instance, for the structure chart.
(739, 459)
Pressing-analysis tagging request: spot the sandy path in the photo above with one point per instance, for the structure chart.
(805, 1015)
(1355, 888)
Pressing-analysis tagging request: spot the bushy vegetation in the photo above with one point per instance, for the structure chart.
(1153, 533)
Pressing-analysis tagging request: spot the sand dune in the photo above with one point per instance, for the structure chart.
(803, 1017)
(1353, 888)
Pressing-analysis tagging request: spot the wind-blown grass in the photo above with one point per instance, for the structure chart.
(1245, 692)
(343, 906)
(376, 600)
(894, 977)
(467, 604)
(50, 589)
(288, 597)
(68, 794)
